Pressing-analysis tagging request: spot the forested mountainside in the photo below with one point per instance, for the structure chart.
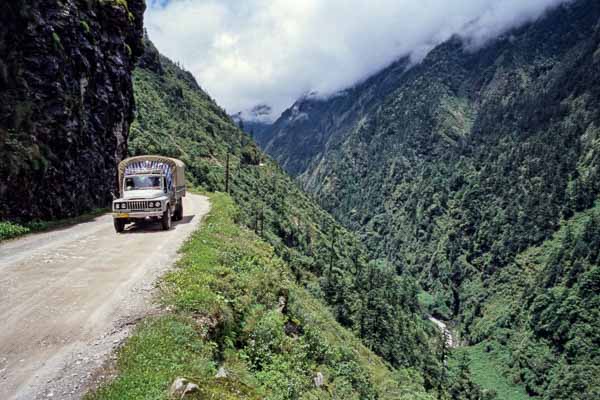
(177, 118)
(66, 102)
(478, 175)
(304, 132)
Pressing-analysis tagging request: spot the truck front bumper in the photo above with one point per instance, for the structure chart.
(137, 214)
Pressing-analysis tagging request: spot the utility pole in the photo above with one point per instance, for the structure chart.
(262, 220)
(332, 248)
(227, 174)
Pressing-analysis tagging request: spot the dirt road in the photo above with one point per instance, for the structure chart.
(68, 297)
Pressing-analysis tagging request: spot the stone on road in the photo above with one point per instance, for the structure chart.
(69, 296)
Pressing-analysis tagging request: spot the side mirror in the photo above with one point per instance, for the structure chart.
(114, 196)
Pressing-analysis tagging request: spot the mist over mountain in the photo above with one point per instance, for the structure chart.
(272, 52)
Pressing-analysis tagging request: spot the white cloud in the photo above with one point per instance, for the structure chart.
(250, 52)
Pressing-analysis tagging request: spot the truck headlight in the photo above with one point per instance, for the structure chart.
(151, 204)
(117, 206)
(157, 204)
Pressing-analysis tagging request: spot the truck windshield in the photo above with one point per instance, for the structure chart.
(142, 182)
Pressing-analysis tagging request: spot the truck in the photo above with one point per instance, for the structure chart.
(151, 188)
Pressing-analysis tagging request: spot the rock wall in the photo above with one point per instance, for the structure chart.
(66, 102)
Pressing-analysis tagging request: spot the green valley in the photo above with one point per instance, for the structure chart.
(423, 222)
(462, 174)
(356, 308)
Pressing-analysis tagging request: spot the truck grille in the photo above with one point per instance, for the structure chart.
(137, 205)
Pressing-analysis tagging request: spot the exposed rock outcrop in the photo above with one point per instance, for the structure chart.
(66, 102)
(182, 387)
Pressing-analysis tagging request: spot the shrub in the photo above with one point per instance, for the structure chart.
(9, 230)
(85, 26)
(56, 41)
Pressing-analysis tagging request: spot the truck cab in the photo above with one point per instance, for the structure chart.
(151, 188)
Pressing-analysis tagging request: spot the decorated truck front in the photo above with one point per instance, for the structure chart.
(150, 188)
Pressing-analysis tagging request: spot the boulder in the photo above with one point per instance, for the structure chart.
(221, 373)
(318, 380)
(182, 387)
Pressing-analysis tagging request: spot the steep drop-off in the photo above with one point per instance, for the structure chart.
(66, 102)
(176, 117)
(464, 171)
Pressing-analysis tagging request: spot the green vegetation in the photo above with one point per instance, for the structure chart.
(176, 118)
(488, 369)
(549, 329)
(85, 26)
(9, 230)
(460, 376)
(476, 173)
(120, 3)
(56, 41)
(236, 305)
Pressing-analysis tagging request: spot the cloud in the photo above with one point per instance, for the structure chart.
(271, 52)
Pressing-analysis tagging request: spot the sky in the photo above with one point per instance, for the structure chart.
(250, 52)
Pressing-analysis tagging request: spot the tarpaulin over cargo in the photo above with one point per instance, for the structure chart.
(172, 168)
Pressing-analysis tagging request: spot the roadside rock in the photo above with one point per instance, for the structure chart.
(221, 373)
(318, 380)
(66, 102)
(281, 304)
(182, 387)
(178, 386)
(191, 388)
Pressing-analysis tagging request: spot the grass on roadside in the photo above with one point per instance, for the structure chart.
(11, 230)
(235, 304)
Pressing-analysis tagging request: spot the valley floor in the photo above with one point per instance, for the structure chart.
(487, 371)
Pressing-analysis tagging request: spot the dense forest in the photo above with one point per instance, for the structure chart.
(476, 173)
(177, 118)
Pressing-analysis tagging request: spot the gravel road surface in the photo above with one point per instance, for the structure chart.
(70, 296)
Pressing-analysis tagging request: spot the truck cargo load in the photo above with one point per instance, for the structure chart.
(173, 168)
(151, 188)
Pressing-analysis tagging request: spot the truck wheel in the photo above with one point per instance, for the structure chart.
(119, 225)
(166, 219)
(178, 212)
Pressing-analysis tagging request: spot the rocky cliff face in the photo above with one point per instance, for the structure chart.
(66, 102)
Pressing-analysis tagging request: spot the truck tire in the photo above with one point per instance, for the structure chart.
(119, 225)
(166, 219)
(178, 211)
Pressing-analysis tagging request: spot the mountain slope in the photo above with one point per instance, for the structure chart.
(177, 118)
(473, 159)
(311, 126)
(239, 326)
